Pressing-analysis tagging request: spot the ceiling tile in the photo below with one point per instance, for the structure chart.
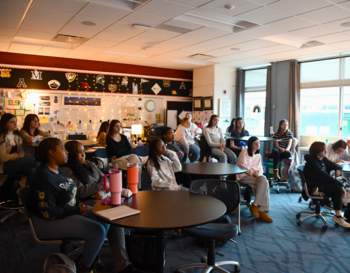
(291, 23)
(270, 50)
(336, 25)
(241, 6)
(337, 1)
(35, 34)
(48, 16)
(229, 58)
(11, 10)
(299, 6)
(263, 15)
(25, 46)
(254, 44)
(17, 2)
(227, 40)
(164, 9)
(112, 37)
(158, 34)
(4, 46)
(126, 29)
(79, 54)
(38, 26)
(137, 40)
(345, 4)
(103, 57)
(262, 31)
(323, 48)
(102, 12)
(325, 15)
(170, 45)
(154, 50)
(182, 24)
(6, 39)
(64, 6)
(7, 31)
(22, 51)
(333, 38)
(126, 47)
(344, 44)
(312, 31)
(77, 22)
(263, 2)
(51, 51)
(100, 43)
(76, 31)
(9, 21)
(193, 3)
(95, 49)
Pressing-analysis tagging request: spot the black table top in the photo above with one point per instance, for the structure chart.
(86, 143)
(246, 138)
(212, 168)
(168, 210)
(346, 168)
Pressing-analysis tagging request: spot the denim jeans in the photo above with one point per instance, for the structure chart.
(194, 152)
(22, 165)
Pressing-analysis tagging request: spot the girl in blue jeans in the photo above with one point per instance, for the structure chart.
(53, 195)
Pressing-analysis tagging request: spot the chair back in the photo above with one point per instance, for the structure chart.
(141, 151)
(226, 191)
(77, 137)
(24, 193)
(205, 149)
(101, 153)
(101, 157)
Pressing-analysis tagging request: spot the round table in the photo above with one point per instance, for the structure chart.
(212, 168)
(346, 168)
(162, 210)
(86, 143)
(261, 138)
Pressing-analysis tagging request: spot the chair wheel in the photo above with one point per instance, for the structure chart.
(277, 191)
(298, 215)
(324, 228)
(237, 269)
(298, 223)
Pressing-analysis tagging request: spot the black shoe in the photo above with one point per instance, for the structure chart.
(131, 269)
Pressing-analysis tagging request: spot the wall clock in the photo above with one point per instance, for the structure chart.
(150, 105)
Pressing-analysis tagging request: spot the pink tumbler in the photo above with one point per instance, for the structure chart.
(133, 177)
(115, 187)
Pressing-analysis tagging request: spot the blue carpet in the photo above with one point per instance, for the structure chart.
(278, 247)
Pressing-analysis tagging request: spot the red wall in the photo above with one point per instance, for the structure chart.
(66, 63)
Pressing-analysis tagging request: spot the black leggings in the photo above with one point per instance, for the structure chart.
(278, 155)
(333, 191)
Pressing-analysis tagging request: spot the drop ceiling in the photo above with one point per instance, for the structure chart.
(261, 31)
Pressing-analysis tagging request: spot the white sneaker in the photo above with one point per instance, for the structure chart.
(341, 221)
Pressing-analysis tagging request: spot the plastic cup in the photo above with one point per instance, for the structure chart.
(133, 177)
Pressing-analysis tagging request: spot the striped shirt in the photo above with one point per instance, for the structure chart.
(252, 163)
(285, 139)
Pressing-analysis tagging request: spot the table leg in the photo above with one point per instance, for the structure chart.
(160, 242)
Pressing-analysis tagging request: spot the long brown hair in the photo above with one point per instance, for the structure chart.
(103, 128)
(316, 148)
(111, 127)
(339, 144)
(210, 124)
(244, 133)
(279, 133)
(26, 124)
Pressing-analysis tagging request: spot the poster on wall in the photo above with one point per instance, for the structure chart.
(69, 81)
(79, 102)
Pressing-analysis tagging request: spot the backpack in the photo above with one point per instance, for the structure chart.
(295, 181)
(59, 263)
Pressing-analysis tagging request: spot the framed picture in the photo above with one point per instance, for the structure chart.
(207, 103)
(20, 112)
(2, 101)
(73, 102)
(224, 108)
(197, 104)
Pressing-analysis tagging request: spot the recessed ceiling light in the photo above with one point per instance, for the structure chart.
(346, 24)
(235, 49)
(89, 23)
(140, 26)
(229, 7)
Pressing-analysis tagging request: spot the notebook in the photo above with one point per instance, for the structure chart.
(117, 213)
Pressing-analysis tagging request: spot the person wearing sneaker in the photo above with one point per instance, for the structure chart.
(281, 149)
(316, 171)
(237, 145)
(251, 159)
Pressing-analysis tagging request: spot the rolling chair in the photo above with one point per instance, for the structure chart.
(77, 137)
(229, 193)
(316, 201)
(11, 205)
(205, 151)
(35, 220)
(141, 151)
(100, 155)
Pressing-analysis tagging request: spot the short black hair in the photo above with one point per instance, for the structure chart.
(46, 145)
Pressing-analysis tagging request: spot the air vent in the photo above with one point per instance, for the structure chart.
(173, 28)
(75, 41)
(311, 44)
(202, 57)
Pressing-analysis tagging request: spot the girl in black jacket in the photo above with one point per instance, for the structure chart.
(316, 171)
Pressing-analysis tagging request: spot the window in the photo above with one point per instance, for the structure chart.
(254, 101)
(346, 113)
(320, 71)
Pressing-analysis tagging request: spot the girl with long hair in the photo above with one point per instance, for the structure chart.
(339, 151)
(213, 136)
(251, 159)
(193, 127)
(282, 147)
(12, 156)
(185, 136)
(317, 174)
(237, 145)
(232, 126)
(162, 165)
(102, 133)
(118, 144)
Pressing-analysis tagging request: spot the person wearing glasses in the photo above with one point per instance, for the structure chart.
(317, 173)
(162, 164)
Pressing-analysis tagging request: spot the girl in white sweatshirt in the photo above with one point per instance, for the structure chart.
(339, 151)
(185, 136)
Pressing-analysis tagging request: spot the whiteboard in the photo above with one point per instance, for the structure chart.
(171, 119)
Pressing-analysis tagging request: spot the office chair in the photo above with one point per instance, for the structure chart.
(12, 204)
(100, 155)
(316, 201)
(229, 193)
(205, 150)
(141, 151)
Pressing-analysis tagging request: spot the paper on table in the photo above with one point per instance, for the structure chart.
(117, 213)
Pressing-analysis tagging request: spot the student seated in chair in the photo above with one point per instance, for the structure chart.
(339, 151)
(281, 148)
(237, 145)
(213, 136)
(231, 127)
(186, 136)
(54, 198)
(251, 159)
(102, 134)
(177, 147)
(161, 165)
(316, 171)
